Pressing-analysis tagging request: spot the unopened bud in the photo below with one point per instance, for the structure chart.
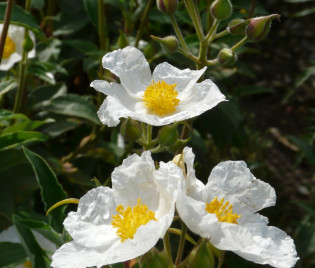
(237, 26)
(167, 6)
(122, 41)
(28, 43)
(169, 43)
(168, 135)
(221, 9)
(258, 28)
(130, 130)
(226, 57)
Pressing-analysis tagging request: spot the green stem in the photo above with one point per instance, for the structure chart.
(149, 134)
(5, 28)
(181, 244)
(22, 74)
(218, 35)
(221, 259)
(195, 17)
(240, 43)
(101, 25)
(142, 23)
(179, 34)
(212, 30)
(167, 248)
(189, 56)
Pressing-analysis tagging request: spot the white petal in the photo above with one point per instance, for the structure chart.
(185, 79)
(195, 216)
(134, 179)
(202, 97)
(233, 181)
(131, 66)
(72, 255)
(91, 225)
(258, 243)
(194, 187)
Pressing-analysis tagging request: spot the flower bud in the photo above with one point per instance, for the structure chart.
(237, 26)
(122, 41)
(130, 130)
(221, 9)
(28, 43)
(168, 135)
(169, 43)
(167, 6)
(226, 57)
(258, 28)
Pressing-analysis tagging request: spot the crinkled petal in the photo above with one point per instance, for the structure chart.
(91, 225)
(131, 66)
(195, 216)
(134, 179)
(185, 79)
(233, 181)
(168, 179)
(194, 187)
(257, 243)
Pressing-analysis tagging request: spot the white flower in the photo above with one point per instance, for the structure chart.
(13, 47)
(122, 223)
(11, 235)
(236, 225)
(166, 96)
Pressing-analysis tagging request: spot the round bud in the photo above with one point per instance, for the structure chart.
(221, 9)
(130, 130)
(169, 43)
(167, 6)
(28, 43)
(226, 57)
(237, 26)
(258, 28)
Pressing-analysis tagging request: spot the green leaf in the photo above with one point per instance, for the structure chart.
(202, 257)
(91, 8)
(305, 148)
(16, 139)
(11, 253)
(51, 190)
(242, 91)
(73, 105)
(35, 253)
(40, 71)
(21, 17)
(82, 45)
(27, 125)
(6, 86)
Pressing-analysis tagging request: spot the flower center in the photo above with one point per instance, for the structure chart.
(223, 211)
(160, 98)
(130, 219)
(9, 48)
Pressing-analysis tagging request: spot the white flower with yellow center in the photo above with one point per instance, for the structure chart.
(225, 212)
(122, 223)
(13, 47)
(161, 98)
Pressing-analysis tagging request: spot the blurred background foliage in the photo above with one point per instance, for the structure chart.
(55, 145)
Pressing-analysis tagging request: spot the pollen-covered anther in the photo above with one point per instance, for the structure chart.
(9, 48)
(160, 98)
(223, 211)
(128, 220)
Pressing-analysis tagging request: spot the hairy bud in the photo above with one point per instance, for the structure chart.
(130, 130)
(237, 26)
(169, 43)
(167, 6)
(221, 9)
(28, 43)
(258, 28)
(226, 57)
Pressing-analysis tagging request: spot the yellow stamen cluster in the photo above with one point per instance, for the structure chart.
(223, 211)
(128, 220)
(160, 98)
(9, 48)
